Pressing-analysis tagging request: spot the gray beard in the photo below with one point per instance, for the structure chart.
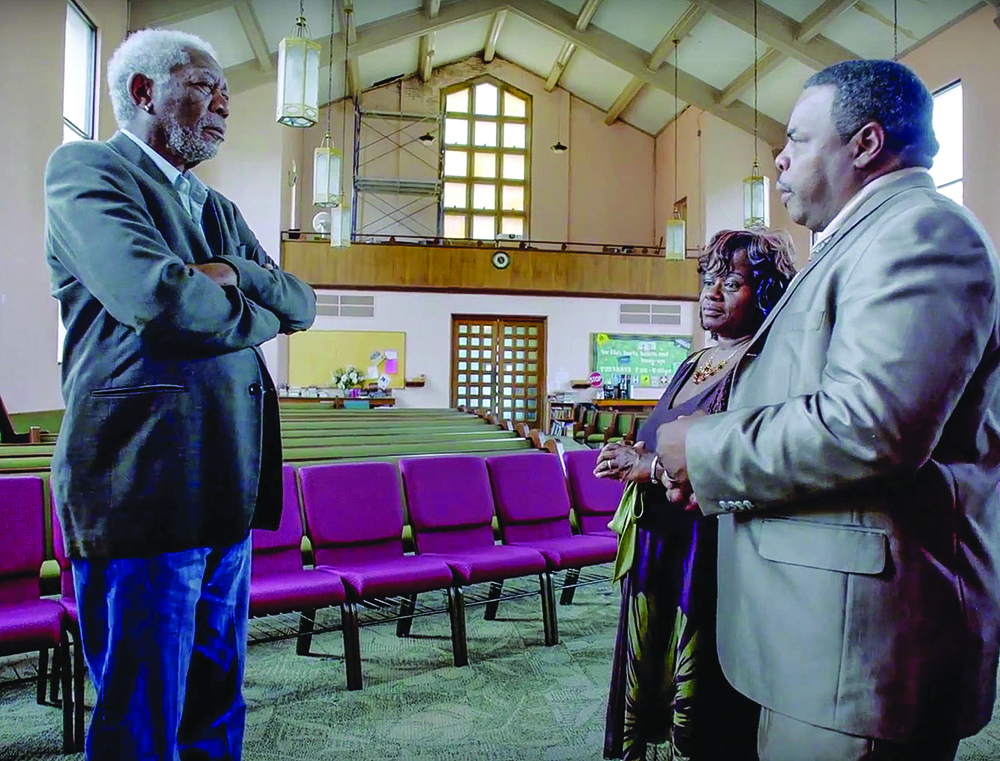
(188, 144)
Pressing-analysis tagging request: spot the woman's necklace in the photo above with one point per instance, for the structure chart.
(709, 369)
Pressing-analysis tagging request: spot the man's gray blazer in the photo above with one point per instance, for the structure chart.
(170, 439)
(856, 478)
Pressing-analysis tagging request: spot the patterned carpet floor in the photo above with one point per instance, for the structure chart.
(516, 700)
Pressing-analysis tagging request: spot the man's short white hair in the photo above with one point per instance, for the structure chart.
(152, 53)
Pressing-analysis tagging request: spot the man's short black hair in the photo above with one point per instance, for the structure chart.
(888, 93)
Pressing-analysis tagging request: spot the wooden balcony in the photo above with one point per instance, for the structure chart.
(464, 268)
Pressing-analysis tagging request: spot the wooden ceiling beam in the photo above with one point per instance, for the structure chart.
(255, 35)
(559, 66)
(813, 24)
(776, 30)
(587, 14)
(681, 29)
(151, 13)
(490, 48)
(426, 57)
(626, 96)
(744, 81)
(632, 59)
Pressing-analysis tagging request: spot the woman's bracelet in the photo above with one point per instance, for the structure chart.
(652, 473)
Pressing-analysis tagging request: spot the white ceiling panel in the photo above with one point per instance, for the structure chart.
(223, 31)
(593, 79)
(866, 29)
(277, 18)
(778, 91)
(366, 11)
(641, 22)
(528, 45)
(400, 58)
(573, 6)
(716, 52)
(651, 110)
(459, 41)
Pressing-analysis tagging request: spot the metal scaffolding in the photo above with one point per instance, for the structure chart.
(396, 201)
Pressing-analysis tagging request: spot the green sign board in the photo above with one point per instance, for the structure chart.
(650, 360)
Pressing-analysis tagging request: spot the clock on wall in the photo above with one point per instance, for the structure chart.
(500, 259)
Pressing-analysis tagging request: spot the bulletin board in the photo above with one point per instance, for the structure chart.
(650, 359)
(313, 355)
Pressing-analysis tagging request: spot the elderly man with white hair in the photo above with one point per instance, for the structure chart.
(169, 451)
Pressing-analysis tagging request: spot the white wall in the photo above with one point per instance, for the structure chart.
(426, 320)
(32, 40)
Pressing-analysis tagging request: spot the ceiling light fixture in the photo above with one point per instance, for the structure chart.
(298, 76)
(675, 234)
(756, 187)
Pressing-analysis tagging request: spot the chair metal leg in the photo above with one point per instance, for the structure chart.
(456, 612)
(79, 672)
(55, 676)
(572, 576)
(549, 621)
(405, 619)
(352, 644)
(67, 696)
(307, 620)
(496, 589)
(43, 674)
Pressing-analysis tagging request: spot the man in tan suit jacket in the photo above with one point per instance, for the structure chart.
(855, 475)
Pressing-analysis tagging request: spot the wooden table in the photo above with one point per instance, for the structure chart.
(626, 405)
(337, 402)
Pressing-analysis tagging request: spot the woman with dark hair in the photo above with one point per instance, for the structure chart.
(666, 684)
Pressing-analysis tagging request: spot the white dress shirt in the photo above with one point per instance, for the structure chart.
(859, 198)
(192, 191)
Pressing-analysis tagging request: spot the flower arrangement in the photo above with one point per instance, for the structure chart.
(348, 377)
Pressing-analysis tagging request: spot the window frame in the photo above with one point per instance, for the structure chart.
(88, 131)
(471, 149)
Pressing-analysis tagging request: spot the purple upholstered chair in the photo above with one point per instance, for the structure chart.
(594, 499)
(28, 623)
(67, 599)
(354, 516)
(451, 514)
(532, 504)
(279, 583)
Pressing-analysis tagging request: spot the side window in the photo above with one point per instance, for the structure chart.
(947, 170)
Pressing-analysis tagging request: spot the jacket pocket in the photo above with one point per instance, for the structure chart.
(848, 549)
(126, 391)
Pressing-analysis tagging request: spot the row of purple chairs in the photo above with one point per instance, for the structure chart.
(28, 622)
(353, 516)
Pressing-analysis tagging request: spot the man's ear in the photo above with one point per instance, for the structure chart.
(869, 144)
(140, 87)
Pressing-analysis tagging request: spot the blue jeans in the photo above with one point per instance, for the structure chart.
(165, 640)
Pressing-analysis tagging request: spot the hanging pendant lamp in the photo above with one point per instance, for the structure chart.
(327, 158)
(756, 187)
(298, 76)
(675, 234)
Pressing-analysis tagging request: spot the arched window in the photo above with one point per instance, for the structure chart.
(487, 144)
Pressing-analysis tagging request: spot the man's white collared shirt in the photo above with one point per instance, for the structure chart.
(859, 198)
(192, 191)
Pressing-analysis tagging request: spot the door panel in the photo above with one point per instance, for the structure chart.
(498, 364)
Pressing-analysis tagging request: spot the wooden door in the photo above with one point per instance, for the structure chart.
(498, 364)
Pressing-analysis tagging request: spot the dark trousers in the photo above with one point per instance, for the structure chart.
(164, 639)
